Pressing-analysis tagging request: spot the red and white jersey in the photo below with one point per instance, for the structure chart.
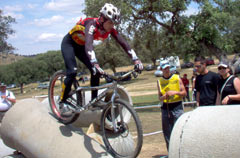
(89, 29)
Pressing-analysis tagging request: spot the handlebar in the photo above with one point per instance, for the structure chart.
(133, 72)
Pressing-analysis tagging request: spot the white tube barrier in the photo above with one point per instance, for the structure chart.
(28, 127)
(207, 132)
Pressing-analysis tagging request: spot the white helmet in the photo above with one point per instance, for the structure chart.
(111, 12)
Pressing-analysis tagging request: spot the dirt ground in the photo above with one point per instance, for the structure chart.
(153, 145)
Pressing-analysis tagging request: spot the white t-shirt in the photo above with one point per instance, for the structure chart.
(5, 101)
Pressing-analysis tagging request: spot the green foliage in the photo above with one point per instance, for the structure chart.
(110, 55)
(5, 31)
(213, 31)
(53, 61)
(32, 69)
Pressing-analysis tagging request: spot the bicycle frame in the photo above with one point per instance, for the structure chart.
(110, 87)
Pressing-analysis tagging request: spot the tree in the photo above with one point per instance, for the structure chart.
(147, 41)
(154, 26)
(110, 55)
(5, 31)
(231, 27)
(53, 61)
(212, 31)
(32, 69)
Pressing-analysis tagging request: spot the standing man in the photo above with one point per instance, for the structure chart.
(170, 91)
(7, 99)
(206, 83)
(186, 85)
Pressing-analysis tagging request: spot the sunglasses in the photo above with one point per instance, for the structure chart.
(220, 68)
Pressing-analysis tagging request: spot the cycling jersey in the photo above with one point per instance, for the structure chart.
(89, 29)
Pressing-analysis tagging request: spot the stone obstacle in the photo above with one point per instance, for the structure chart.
(207, 132)
(28, 127)
(36, 133)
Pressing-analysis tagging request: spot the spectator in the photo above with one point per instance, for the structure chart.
(228, 86)
(186, 85)
(206, 83)
(171, 91)
(193, 80)
(6, 101)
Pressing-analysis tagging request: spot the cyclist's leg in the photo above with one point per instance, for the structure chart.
(94, 82)
(68, 53)
(95, 79)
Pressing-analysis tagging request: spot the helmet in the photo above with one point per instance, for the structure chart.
(111, 12)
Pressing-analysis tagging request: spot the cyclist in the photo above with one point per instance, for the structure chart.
(79, 42)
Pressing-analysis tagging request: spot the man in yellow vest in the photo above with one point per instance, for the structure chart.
(171, 92)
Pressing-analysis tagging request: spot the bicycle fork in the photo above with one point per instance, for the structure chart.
(113, 114)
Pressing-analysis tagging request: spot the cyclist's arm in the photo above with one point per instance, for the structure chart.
(131, 53)
(89, 37)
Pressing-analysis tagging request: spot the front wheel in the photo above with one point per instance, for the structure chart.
(127, 140)
(54, 94)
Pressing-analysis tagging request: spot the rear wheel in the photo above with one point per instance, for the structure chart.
(127, 141)
(54, 94)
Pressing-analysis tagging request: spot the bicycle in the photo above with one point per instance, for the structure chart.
(119, 120)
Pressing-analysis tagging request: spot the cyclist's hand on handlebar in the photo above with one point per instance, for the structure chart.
(138, 66)
(97, 69)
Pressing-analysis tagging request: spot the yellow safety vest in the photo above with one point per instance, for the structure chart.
(171, 84)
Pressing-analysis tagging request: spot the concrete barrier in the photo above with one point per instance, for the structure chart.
(29, 128)
(207, 132)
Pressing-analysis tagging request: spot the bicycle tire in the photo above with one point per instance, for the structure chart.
(54, 98)
(122, 144)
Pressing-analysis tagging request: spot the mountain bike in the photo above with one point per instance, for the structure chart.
(121, 128)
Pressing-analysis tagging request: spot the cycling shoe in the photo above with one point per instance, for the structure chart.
(65, 110)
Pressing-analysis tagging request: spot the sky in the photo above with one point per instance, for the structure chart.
(41, 24)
